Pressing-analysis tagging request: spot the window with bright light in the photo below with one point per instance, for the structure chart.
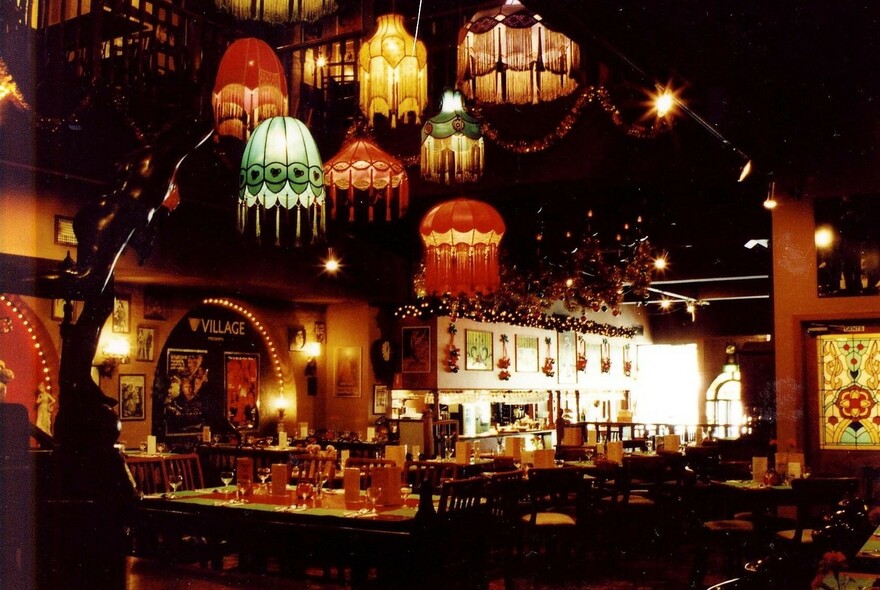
(724, 400)
(668, 386)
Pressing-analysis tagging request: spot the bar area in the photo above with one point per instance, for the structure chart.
(496, 294)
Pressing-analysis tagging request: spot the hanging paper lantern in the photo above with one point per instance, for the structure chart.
(461, 239)
(281, 169)
(361, 165)
(393, 72)
(507, 55)
(452, 144)
(250, 88)
(278, 11)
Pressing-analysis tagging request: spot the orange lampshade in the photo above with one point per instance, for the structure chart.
(362, 166)
(250, 88)
(461, 239)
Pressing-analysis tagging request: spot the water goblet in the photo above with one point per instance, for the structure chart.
(161, 448)
(175, 480)
(322, 479)
(226, 477)
(142, 446)
(241, 491)
(405, 491)
(216, 439)
(373, 495)
(263, 473)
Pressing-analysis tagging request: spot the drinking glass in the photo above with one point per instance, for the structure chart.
(405, 491)
(226, 477)
(161, 448)
(373, 495)
(322, 479)
(175, 480)
(263, 473)
(142, 446)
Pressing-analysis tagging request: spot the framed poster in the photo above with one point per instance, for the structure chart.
(478, 351)
(380, 399)
(154, 305)
(347, 376)
(320, 332)
(566, 363)
(526, 351)
(184, 404)
(242, 385)
(416, 350)
(296, 338)
(145, 338)
(121, 316)
(132, 401)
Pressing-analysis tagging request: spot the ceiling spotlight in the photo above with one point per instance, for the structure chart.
(770, 201)
(824, 237)
(746, 170)
(665, 303)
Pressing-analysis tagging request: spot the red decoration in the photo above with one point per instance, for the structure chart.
(452, 350)
(250, 88)
(504, 361)
(581, 354)
(549, 361)
(461, 239)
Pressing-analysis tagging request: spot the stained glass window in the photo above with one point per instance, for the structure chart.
(849, 381)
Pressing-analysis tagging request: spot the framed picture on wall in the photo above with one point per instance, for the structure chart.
(380, 399)
(526, 351)
(416, 350)
(241, 373)
(154, 305)
(121, 316)
(132, 398)
(296, 338)
(347, 374)
(145, 343)
(567, 357)
(478, 351)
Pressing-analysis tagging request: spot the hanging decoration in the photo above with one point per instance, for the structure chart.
(549, 361)
(278, 11)
(507, 55)
(605, 356)
(250, 87)
(627, 362)
(452, 144)
(452, 351)
(379, 178)
(281, 169)
(393, 72)
(9, 90)
(504, 361)
(581, 354)
(461, 239)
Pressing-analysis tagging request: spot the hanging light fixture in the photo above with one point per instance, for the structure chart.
(461, 240)
(250, 88)
(278, 11)
(452, 144)
(393, 72)
(281, 169)
(507, 55)
(362, 166)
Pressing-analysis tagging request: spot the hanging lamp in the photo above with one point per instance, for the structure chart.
(461, 240)
(362, 166)
(278, 11)
(507, 55)
(250, 88)
(452, 144)
(281, 169)
(393, 72)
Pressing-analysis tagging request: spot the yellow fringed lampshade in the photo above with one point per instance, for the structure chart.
(250, 88)
(278, 11)
(461, 240)
(452, 144)
(281, 169)
(507, 55)
(393, 72)
(362, 166)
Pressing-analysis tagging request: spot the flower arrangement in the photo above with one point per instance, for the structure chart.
(606, 356)
(549, 361)
(453, 352)
(582, 354)
(832, 563)
(504, 361)
(627, 362)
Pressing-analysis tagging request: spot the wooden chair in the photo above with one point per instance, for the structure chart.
(445, 434)
(870, 484)
(415, 472)
(366, 466)
(505, 491)
(147, 473)
(187, 465)
(575, 452)
(815, 497)
(462, 532)
(313, 468)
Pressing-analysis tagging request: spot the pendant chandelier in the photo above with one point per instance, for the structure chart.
(278, 11)
(362, 166)
(452, 144)
(393, 72)
(461, 240)
(507, 55)
(250, 88)
(281, 169)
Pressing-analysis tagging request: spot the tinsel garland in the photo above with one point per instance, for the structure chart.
(492, 309)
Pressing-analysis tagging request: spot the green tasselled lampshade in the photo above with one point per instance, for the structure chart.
(282, 169)
(452, 144)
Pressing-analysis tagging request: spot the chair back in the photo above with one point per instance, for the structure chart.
(148, 474)
(703, 461)
(315, 467)
(462, 495)
(445, 434)
(556, 489)
(366, 466)
(415, 472)
(187, 465)
(574, 452)
(504, 490)
(816, 497)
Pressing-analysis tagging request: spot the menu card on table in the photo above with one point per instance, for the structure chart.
(759, 468)
(513, 446)
(671, 443)
(592, 437)
(351, 484)
(388, 480)
(151, 444)
(463, 452)
(280, 477)
(544, 458)
(783, 460)
(396, 453)
(614, 451)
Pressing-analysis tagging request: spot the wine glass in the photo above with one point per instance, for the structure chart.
(373, 495)
(263, 473)
(226, 477)
(161, 448)
(175, 480)
(405, 491)
(142, 446)
(322, 479)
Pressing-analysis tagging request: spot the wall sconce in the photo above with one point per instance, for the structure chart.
(313, 349)
(116, 351)
(281, 408)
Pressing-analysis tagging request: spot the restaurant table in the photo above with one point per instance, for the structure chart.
(851, 581)
(868, 557)
(292, 529)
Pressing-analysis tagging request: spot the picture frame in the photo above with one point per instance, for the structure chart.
(320, 332)
(526, 352)
(145, 342)
(478, 351)
(132, 397)
(120, 319)
(347, 371)
(296, 338)
(416, 350)
(241, 378)
(184, 401)
(380, 399)
(154, 305)
(566, 357)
